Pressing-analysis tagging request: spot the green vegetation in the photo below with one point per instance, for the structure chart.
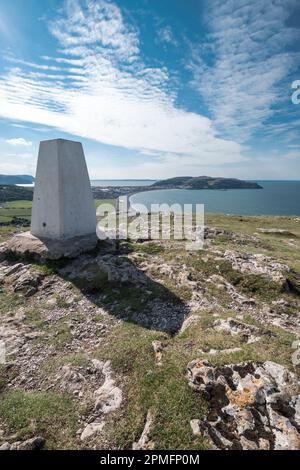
(53, 364)
(15, 193)
(162, 389)
(13, 213)
(34, 318)
(205, 182)
(9, 301)
(282, 247)
(145, 383)
(49, 414)
(151, 248)
(19, 204)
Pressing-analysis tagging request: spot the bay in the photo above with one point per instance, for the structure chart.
(276, 198)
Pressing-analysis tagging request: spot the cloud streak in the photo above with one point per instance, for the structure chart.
(243, 78)
(19, 142)
(97, 87)
(165, 35)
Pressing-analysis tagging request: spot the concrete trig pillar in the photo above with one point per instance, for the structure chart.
(63, 210)
(63, 205)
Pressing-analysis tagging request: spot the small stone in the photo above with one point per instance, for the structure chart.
(195, 425)
(20, 314)
(91, 430)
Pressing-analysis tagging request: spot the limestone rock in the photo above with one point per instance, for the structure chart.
(252, 406)
(144, 443)
(43, 248)
(108, 396)
(250, 333)
(257, 264)
(158, 348)
(94, 270)
(34, 443)
(5, 446)
(92, 430)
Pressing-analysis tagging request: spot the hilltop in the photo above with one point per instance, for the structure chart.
(205, 182)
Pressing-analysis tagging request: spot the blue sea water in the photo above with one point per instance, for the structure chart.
(276, 198)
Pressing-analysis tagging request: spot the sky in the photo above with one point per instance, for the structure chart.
(153, 89)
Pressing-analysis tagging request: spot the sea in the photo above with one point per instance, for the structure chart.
(276, 198)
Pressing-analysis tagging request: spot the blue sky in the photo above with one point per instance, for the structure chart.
(153, 88)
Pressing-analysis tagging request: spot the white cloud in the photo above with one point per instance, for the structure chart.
(23, 155)
(37, 129)
(244, 80)
(17, 168)
(113, 97)
(165, 34)
(19, 142)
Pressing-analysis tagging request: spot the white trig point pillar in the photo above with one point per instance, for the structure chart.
(63, 211)
(63, 205)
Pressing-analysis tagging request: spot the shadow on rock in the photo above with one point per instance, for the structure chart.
(112, 281)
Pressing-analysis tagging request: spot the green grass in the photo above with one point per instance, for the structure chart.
(34, 318)
(7, 231)
(9, 211)
(50, 415)
(9, 301)
(62, 334)
(12, 209)
(145, 385)
(54, 363)
(151, 248)
(162, 389)
(21, 204)
(269, 244)
(5, 220)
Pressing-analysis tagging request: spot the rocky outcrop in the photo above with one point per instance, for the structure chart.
(93, 271)
(24, 244)
(107, 398)
(251, 405)
(34, 443)
(21, 278)
(249, 333)
(257, 264)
